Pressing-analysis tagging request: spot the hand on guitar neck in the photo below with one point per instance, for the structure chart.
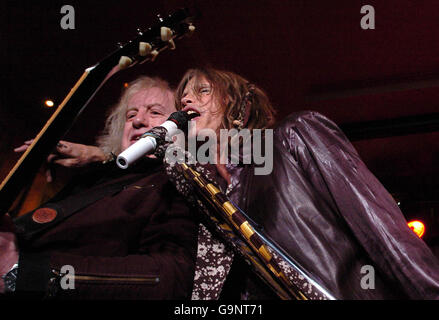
(69, 155)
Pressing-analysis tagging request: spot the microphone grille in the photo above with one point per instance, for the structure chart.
(181, 119)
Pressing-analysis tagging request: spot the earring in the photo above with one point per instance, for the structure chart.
(237, 123)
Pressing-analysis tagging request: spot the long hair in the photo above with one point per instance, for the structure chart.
(232, 92)
(111, 138)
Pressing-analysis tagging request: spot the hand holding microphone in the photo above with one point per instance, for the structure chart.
(150, 140)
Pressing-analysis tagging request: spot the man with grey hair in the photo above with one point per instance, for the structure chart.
(124, 234)
(111, 142)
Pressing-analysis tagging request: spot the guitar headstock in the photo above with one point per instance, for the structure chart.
(150, 42)
(145, 47)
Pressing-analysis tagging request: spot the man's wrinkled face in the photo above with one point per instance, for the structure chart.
(146, 109)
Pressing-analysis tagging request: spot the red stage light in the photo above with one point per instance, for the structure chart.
(418, 227)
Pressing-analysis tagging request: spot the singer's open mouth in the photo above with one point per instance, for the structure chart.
(192, 110)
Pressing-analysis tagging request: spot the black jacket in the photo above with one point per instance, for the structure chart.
(331, 215)
(138, 242)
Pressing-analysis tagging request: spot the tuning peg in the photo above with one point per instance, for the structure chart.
(165, 34)
(119, 45)
(171, 44)
(125, 62)
(159, 17)
(139, 32)
(144, 48)
(154, 54)
(191, 29)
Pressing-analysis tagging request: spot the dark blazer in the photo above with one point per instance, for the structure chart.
(138, 242)
(331, 215)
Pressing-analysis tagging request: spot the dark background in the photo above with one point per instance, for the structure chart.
(380, 86)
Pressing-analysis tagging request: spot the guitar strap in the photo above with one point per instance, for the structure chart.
(52, 213)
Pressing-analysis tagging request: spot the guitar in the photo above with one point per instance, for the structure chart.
(145, 47)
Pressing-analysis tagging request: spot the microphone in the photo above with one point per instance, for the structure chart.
(148, 142)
